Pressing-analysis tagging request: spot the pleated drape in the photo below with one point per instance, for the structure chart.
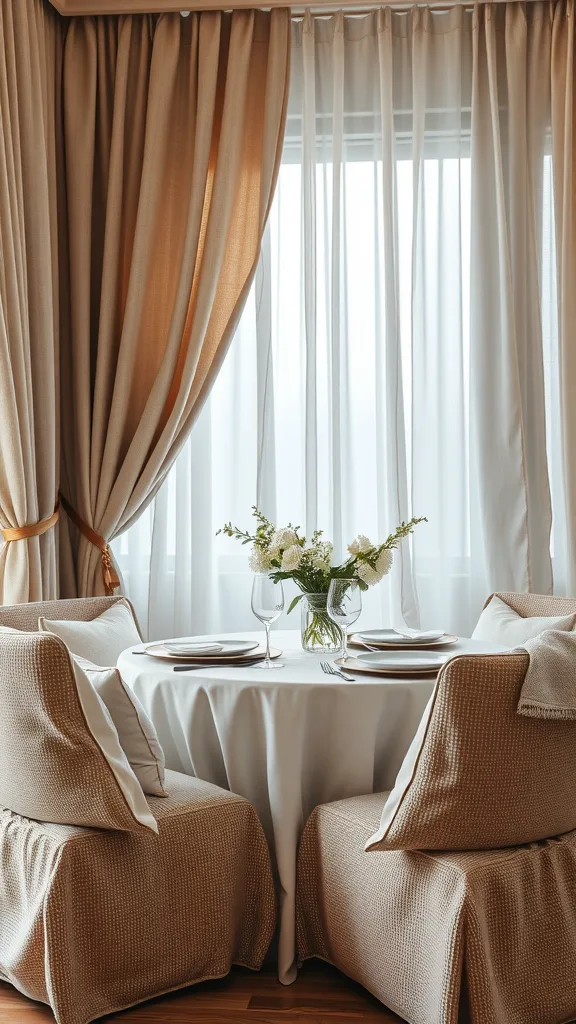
(173, 131)
(564, 172)
(30, 49)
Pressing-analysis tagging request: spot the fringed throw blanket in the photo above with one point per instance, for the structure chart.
(549, 688)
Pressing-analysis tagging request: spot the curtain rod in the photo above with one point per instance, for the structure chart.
(71, 8)
(299, 11)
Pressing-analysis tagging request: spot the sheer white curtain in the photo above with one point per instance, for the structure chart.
(398, 353)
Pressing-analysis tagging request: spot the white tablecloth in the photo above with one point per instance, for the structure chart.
(286, 740)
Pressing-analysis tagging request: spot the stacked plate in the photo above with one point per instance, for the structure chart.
(387, 639)
(202, 651)
(388, 652)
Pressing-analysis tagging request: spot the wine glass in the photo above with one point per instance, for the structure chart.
(344, 606)
(267, 605)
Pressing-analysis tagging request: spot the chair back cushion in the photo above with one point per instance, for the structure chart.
(479, 775)
(501, 623)
(60, 758)
(530, 605)
(102, 638)
(81, 609)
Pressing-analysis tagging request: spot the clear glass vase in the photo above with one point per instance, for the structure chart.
(319, 634)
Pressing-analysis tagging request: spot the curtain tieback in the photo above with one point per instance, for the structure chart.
(111, 581)
(33, 530)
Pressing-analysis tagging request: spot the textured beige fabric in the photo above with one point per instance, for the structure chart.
(30, 47)
(564, 170)
(147, 762)
(60, 759)
(530, 605)
(102, 639)
(81, 609)
(549, 688)
(173, 135)
(483, 776)
(94, 921)
(407, 925)
(500, 624)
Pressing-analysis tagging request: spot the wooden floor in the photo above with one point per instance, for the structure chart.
(319, 996)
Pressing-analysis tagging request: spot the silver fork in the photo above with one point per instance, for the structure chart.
(356, 641)
(331, 670)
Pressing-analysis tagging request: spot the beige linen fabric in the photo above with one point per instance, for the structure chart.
(564, 171)
(408, 925)
(173, 131)
(481, 775)
(81, 609)
(533, 605)
(500, 624)
(99, 921)
(60, 759)
(30, 48)
(549, 688)
(102, 639)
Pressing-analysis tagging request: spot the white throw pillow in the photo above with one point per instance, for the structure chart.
(137, 735)
(500, 624)
(101, 640)
(100, 724)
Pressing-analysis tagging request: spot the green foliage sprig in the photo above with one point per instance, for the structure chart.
(286, 555)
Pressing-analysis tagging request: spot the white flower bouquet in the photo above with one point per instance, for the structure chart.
(286, 555)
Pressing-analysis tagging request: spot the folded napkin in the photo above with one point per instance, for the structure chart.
(549, 688)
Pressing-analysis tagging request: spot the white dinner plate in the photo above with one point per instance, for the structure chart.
(389, 640)
(247, 658)
(192, 648)
(391, 636)
(393, 662)
(223, 651)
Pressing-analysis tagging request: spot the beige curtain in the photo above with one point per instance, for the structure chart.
(173, 130)
(564, 162)
(30, 50)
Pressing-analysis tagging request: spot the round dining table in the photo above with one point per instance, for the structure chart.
(286, 740)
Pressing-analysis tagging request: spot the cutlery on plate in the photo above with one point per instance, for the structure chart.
(331, 670)
(144, 648)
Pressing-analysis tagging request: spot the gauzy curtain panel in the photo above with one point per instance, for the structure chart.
(173, 133)
(409, 327)
(30, 48)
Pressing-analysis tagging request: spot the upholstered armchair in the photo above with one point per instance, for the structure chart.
(96, 919)
(454, 897)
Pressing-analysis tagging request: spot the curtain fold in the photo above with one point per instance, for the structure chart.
(510, 128)
(30, 55)
(564, 174)
(173, 131)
